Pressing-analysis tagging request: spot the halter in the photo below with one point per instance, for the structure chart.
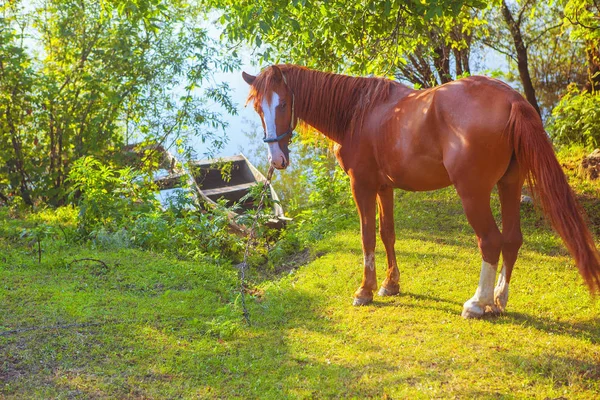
(289, 131)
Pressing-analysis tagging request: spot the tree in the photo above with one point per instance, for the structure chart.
(583, 19)
(444, 43)
(362, 37)
(553, 59)
(514, 25)
(575, 120)
(16, 105)
(101, 74)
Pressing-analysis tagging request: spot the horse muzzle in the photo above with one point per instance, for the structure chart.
(279, 162)
(277, 158)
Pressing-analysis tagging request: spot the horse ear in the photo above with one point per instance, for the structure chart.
(277, 74)
(248, 78)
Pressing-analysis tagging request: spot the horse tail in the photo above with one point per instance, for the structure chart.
(549, 186)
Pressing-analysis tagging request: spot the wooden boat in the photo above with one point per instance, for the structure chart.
(234, 185)
(210, 184)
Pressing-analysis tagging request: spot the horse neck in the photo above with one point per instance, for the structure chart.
(333, 104)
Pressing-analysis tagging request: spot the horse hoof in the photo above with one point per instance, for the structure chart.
(471, 314)
(383, 291)
(472, 309)
(361, 301)
(501, 298)
(493, 310)
(499, 306)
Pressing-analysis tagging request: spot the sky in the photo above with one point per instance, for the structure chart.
(246, 120)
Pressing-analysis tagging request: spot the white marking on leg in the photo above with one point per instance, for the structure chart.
(370, 261)
(484, 295)
(501, 291)
(269, 113)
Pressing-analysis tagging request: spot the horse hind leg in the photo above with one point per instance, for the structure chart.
(509, 190)
(476, 204)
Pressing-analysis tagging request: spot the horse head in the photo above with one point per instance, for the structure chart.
(274, 102)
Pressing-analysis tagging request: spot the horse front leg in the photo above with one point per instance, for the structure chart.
(385, 200)
(364, 197)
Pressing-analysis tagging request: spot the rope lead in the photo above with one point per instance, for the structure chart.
(249, 243)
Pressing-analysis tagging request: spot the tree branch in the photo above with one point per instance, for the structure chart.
(548, 29)
(499, 50)
(522, 12)
(578, 22)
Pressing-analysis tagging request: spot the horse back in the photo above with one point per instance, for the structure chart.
(427, 139)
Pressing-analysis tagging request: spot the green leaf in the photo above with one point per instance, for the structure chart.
(387, 6)
(264, 27)
(295, 24)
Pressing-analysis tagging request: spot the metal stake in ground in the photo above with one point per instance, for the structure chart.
(249, 243)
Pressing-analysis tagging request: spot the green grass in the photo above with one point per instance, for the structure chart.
(150, 326)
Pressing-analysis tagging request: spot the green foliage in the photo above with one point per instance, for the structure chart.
(17, 105)
(576, 119)
(330, 205)
(191, 235)
(554, 59)
(356, 36)
(118, 209)
(37, 234)
(82, 78)
(582, 17)
(109, 198)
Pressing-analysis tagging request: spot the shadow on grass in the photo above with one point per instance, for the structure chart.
(292, 350)
(588, 330)
(416, 301)
(164, 355)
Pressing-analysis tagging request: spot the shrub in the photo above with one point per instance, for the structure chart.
(108, 197)
(190, 235)
(330, 206)
(118, 209)
(576, 119)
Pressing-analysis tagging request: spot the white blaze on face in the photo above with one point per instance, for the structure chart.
(276, 157)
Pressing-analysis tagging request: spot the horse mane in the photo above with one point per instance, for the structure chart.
(335, 104)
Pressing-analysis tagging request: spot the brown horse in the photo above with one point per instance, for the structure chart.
(474, 133)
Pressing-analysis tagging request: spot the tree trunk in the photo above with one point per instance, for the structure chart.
(464, 54)
(442, 63)
(522, 63)
(19, 162)
(593, 58)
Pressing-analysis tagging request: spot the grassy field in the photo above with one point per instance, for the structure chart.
(148, 326)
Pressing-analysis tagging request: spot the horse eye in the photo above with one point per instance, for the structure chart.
(282, 105)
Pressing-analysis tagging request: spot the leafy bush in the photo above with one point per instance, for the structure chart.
(109, 198)
(118, 209)
(330, 206)
(576, 119)
(191, 235)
